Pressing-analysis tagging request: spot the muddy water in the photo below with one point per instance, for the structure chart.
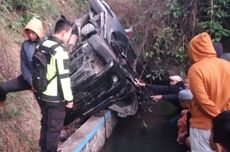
(156, 134)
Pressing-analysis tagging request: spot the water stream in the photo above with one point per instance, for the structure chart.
(146, 132)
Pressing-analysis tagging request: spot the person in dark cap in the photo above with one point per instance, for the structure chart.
(185, 97)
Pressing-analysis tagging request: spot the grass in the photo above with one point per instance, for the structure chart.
(19, 123)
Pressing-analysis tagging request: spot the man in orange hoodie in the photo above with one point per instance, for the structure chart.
(209, 79)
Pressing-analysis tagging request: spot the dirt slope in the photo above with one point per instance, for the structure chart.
(20, 122)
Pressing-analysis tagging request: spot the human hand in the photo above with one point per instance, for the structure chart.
(69, 105)
(156, 98)
(138, 83)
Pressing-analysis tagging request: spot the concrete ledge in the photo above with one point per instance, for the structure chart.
(91, 136)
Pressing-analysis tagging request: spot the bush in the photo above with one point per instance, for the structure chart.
(163, 29)
(27, 9)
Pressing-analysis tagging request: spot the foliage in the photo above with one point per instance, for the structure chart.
(17, 4)
(163, 29)
(27, 9)
(82, 4)
(213, 17)
(21, 22)
(175, 9)
(167, 46)
(163, 52)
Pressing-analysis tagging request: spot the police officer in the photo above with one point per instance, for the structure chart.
(58, 91)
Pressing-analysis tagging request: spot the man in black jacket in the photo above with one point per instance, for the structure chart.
(168, 93)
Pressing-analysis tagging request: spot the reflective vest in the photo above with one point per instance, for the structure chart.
(59, 88)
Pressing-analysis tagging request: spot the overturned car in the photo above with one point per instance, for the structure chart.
(102, 66)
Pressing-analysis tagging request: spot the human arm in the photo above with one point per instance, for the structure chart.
(171, 97)
(73, 39)
(72, 42)
(64, 78)
(158, 89)
(24, 63)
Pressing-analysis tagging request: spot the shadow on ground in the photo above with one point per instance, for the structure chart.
(155, 135)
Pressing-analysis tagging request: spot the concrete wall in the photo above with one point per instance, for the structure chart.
(91, 136)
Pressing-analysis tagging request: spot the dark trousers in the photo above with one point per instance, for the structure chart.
(14, 85)
(52, 123)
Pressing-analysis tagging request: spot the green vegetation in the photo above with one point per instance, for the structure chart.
(19, 124)
(163, 30)
(214, 18)
(82, 5)
(24, 10)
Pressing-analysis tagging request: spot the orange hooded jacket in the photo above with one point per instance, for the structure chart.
(209, 80)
